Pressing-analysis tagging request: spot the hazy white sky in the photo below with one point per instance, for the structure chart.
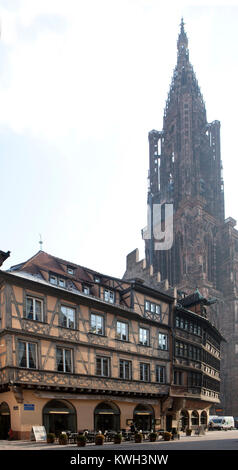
(82, 82)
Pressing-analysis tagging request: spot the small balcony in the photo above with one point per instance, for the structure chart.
(200, 393)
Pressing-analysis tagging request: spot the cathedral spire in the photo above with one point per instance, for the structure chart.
(182, 43)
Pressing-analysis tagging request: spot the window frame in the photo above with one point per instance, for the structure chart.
(58, 280)
(144, 371)
(158, 370)
(63, 349)
(147, 330)
(26, 352)
(67, 307)
(152, 308)
(160, 341)
(102, 359)
(122, 366)
(70, 270)
(107, 291)
(178, 377)
(87, 288)
(120, 334)
(96, 332)
(34, 299)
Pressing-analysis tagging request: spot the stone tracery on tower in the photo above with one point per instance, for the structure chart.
(185, 169)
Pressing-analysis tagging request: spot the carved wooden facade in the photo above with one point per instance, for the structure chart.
(68, 330)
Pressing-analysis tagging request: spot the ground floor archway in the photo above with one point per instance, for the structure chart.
(58, 416)
(195, 418)
(107, 417)
(204, 418)
(184, 420)
(143, 417)
(5, 420)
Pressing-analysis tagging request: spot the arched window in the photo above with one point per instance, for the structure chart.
(58, 416)
(107, 417)
(195, 418)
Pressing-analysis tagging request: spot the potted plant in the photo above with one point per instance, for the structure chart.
(138, 437)
(50, 438)
(99, 439)
(152, 436)
(188, 432)
(118, 438)
(63, 439)
(167, 436)
(81, 440)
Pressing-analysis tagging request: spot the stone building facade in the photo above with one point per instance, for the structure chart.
(185, 169)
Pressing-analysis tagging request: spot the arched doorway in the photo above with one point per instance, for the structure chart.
(144, 417)
(195, 418)
(5, 420)
(58, 416)
(204, 418)
(184, 420)
(107, 417)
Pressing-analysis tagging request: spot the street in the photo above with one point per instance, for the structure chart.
(213, 440)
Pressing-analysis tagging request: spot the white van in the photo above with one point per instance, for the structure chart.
(221, 422)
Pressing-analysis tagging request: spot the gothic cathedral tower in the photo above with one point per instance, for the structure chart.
(185, 170)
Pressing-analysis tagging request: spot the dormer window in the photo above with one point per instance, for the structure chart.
(97, 279)
(86, 290)
(57, 280)
(53, 280)
(70, 270)
(61, 282)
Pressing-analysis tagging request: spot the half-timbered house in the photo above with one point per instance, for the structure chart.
(81, 350)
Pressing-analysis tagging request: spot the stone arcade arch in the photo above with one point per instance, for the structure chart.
(144, 417)
(58, 416)
(107, 417)
(184, 420)
(204, 418)
(195, 418)
(5, 420)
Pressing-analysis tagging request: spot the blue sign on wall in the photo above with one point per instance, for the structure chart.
(29, 407)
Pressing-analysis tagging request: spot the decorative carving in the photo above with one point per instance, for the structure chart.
(97, 339)
(34, 327)
(67, 333)
(101, 384)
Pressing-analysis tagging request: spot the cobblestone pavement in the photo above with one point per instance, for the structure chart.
(213, 440)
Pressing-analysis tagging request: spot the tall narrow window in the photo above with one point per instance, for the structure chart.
(144, 372)
(67, 317)
(109, 296)
(125, 369)
(27, 355)
(144, 336)
(163, 341)
(34, 309)
(103, 366)
(160, 374)
(122, 331)
(97, 324)
(64, 360)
